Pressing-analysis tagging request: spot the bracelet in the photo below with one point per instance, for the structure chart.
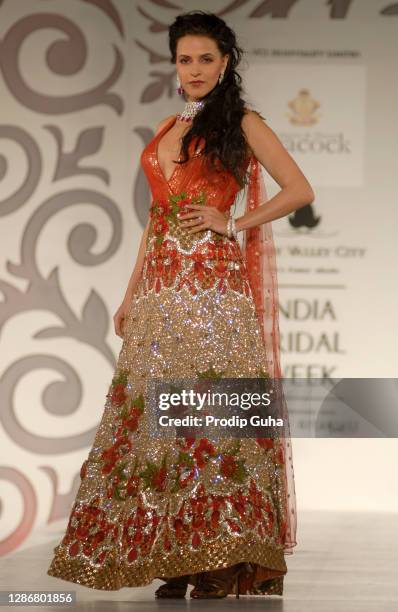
(233, 228)
(229, 231)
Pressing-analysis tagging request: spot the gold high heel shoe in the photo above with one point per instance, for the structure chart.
(174, 588)
(216, 584)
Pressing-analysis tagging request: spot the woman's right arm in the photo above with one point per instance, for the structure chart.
(121, 313)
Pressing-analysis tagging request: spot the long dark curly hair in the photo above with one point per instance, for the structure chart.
(219, 121)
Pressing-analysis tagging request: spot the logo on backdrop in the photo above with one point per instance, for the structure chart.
(304, 108)
(303, 112)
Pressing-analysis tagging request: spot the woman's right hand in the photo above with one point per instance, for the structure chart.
(119, 318)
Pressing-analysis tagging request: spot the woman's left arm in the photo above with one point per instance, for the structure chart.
(295, 192)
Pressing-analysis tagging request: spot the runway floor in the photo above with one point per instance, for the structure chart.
(344, 562)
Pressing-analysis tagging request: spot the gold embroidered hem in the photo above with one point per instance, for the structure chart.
(215, 556)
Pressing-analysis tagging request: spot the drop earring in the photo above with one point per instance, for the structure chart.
(220, 78)
(180, 90)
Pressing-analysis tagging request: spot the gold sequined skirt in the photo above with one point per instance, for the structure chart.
(156, 508)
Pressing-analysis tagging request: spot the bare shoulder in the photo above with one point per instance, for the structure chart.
(256, 129)
(251, 122)
(251, 119)
(162, 123)
(272, 154)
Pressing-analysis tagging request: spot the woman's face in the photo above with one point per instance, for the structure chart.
(198, 59)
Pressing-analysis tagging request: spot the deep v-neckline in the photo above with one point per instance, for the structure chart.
(162, 132)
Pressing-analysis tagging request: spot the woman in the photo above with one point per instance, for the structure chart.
(217, 514)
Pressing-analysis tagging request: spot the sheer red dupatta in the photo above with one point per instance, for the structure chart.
(259, 252)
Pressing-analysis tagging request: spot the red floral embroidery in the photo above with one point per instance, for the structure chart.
(185, 471)
(163, 263)
(114, 453)
(118, 396)
(181, 203)
(203, 515)
(161, 208)
(139, 532)
(203, 274)
(154, 476)
(218, 263)
(220, 269)
(228, 466)
(265, 442)
(160, 226)
(163, 213)
(186, 444)
(203, 451)
(119, 485)
(88, 527)
(231, 467)
(233, 525)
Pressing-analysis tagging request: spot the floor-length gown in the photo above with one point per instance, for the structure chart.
(155, 508)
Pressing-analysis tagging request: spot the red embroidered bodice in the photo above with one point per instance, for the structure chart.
(174, 258)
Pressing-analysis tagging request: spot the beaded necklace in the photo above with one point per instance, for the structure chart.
(191, 109)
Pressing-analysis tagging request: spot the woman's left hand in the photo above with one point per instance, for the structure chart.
(202, 218)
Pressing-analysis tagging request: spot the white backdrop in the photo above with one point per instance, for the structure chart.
(83, 84)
